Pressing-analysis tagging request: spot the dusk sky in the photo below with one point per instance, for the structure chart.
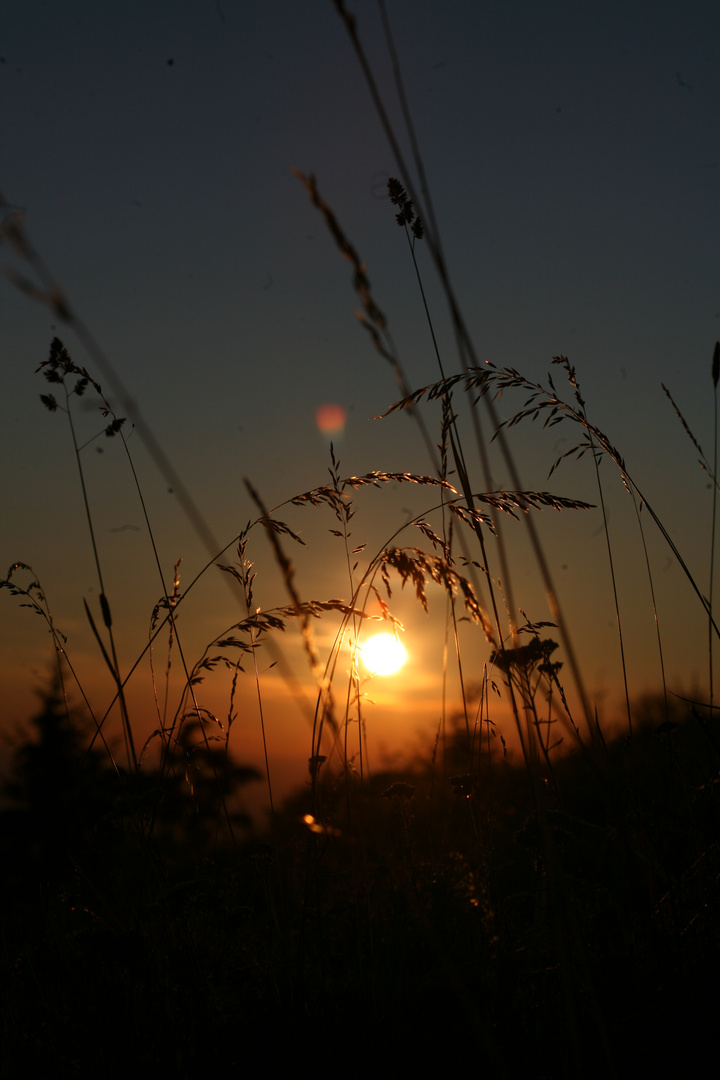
(572, 153)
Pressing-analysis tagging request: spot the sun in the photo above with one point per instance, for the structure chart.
(383, 654)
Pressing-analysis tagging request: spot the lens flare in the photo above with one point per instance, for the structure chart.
(383, 654)
(330, 419)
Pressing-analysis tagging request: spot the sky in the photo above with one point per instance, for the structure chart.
(572, 156)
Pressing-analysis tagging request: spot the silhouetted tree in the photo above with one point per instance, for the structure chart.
(63, 797)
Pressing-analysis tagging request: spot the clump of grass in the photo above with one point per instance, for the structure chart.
(568, 892)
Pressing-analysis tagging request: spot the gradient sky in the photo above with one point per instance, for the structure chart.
(573, 155)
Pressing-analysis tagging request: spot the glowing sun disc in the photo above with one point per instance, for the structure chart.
(383, 654)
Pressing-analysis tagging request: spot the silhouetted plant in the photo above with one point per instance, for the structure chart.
(569, 894)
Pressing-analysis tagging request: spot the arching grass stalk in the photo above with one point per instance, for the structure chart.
(168, 602)
(412, 567)
(344, 513)
(712, 472)
(370, 316)
(274, 529)
(465, 346)
(374, 321)
(46, 289)
(163, 622)
(417, 567)
(406, 218)
(336, 497)
(572, 379)
(57, 369)
(245, 576)
(548, 403)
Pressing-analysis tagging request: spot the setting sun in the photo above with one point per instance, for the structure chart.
(383, 654)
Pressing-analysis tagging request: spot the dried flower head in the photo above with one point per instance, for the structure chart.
(406, 215)
(402, 792)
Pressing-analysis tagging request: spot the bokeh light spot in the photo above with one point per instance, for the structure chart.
(330, 419)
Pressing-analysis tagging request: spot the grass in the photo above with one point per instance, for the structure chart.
(553, 910)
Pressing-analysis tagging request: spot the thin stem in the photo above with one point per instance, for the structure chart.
(105, 607)
(616, 600)
(655, 610)
(715, 375)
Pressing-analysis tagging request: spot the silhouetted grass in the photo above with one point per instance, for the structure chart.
(553, 913)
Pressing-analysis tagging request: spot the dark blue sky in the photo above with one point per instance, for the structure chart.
(573, 156)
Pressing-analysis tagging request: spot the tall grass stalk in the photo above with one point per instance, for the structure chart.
(465, 347)
(56, 370)
(712, 473)
(715, 378)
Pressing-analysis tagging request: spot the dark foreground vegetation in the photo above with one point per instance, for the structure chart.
(450, 915)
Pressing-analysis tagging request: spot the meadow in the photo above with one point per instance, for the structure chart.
(533, 888)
